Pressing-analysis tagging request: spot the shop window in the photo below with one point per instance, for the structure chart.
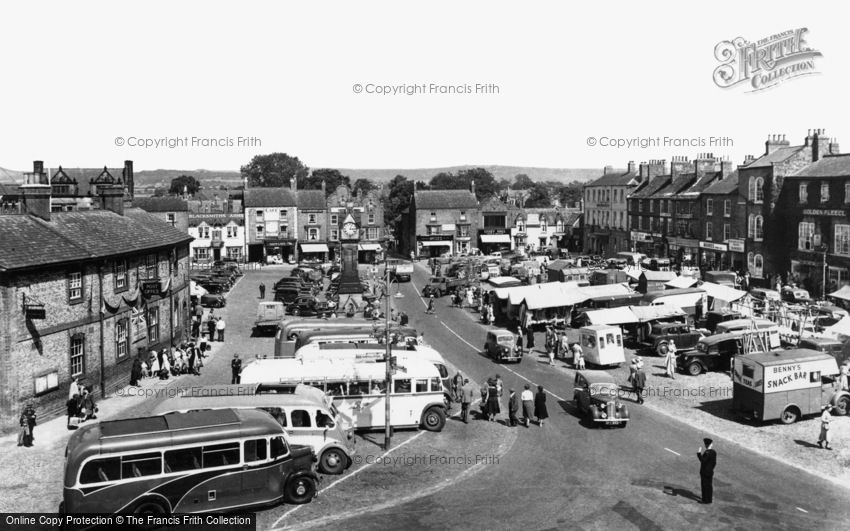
(842, 240)
(805, 235)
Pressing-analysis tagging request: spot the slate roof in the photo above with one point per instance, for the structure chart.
(779, 155)
(724, 186)
(269, 197)
(161, 204)
(677, 185)
(572, 218)
(828, 166)
(493, 204)
(615, 178)
(649, 189)
(444, 199)
(84, 175)
(311, 200)
(74, 236)
(9, 189)
(213, 220)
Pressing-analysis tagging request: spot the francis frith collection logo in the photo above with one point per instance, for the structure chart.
(764, 63)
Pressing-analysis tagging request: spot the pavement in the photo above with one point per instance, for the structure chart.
(567, 475)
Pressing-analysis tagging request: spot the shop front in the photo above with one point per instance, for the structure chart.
(736, 258)
(713, 256)
(367, 253)
(492, 241)
(282, 247)
(433, 247)
(643, 242)
(314, 252)
(685, 252)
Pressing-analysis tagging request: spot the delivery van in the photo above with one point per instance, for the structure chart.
(786, 385)
(602, 345)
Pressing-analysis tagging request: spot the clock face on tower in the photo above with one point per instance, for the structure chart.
(349, 228)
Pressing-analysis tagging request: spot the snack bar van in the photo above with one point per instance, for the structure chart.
(784, 384)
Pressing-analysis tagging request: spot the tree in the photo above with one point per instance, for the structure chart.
(363, 186)
(570, 194)
(504, 184)
(485, 183)
(332, 179)
(399, 197)
(538, 196)
(160, 191)
(274, 170)
(184, 181)
(522, 182)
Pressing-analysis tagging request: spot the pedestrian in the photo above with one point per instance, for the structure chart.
(164, 368)
(145, 372)
(527, 399)
(89, 406)
(577, 353)
(154, 364)
(191, 354)
(843, 384)
(707, 462)
(825, 419)
(219, 326)
(540, 410)
(467, 395)
(580, 360)
(211, 328)
(431, 309)
(235, 369)
(402, 319)
(639, 383)
(73, 412)
(519, 339)
(550, 351)
(27, 423)
(262, 290)
(499, 385)
(565, 345)
(457, 384)
(74, 389)
(136, 372)
(491, 317)
(484, 389)
(670, 360)
(513, 408)
(529, 343)
(469, 298)
(493, 406)
(196, 326)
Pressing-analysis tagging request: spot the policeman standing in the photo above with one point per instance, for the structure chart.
(235, 369)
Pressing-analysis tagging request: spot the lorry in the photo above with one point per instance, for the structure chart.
(439, 286)
(400, 270)
(785, 385)
(269, 316)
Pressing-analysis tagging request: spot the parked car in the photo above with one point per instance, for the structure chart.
(501, 346)
(833, 347)
(269, 315)
(712, 353)
(213, 300)
(274, 259)
(661, 334)
(795, 295)
(597, 396)
(308, 305)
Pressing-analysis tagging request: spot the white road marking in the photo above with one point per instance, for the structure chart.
(503, 366)
(802, 510)
(340, 480)
(672, 452)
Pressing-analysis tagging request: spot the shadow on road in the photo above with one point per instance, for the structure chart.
(721, 409)
(684, 493)
(807, 444)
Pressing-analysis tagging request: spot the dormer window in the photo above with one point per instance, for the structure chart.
(463, 215)
(433, 216)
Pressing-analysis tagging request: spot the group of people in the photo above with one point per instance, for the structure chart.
(637, 378)
(215, 324)
(184, 359)
(532, 406)
(81, 405)
(558, 345)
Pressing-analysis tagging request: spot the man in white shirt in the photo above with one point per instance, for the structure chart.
(527, 398)
(219, 326)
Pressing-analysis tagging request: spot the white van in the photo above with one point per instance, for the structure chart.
(602, 345)
(307, 415)
(358, 389)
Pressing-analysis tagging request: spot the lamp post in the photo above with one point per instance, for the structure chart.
(388, 431)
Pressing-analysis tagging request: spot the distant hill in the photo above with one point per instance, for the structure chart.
(150, 178)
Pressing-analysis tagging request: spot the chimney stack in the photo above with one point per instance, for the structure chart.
(704, 165)
(112, 198)
(820, 144)
(749, 159)
(631, 167)
(775, 142)
(680, 165)
(726, 168)
(472, 186)
(128, 180)
(324, 186)
(833, 147)
(35, 192)
(293, 184)
(607, 170)
(643, 172)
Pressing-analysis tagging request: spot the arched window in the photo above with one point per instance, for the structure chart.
(751, 227)
(751, 192)
(759, 190)
(759, 229)
(751, 263)
(758, 266)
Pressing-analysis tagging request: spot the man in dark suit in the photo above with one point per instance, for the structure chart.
(707, 460)
(639, 384)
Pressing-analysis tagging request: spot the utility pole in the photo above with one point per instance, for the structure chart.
(388, 430)
(823, 288)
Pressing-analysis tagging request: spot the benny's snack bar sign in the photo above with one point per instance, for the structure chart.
(764, 63)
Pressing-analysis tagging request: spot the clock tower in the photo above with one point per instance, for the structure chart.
(349, 240)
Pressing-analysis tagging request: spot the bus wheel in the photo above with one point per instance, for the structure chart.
(333, 461)
(842, 405)
(300, 490)
(790, 415)
(694, 369)
(434, 419)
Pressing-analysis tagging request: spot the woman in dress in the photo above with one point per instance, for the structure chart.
(493, 407)
(540, 410)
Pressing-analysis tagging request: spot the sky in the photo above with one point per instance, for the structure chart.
(89, 84)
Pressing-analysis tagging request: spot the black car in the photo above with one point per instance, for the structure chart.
(714, 317)
(713, 353)
(308, 305)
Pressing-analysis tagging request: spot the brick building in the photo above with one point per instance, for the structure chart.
(815, 206)
(494, 232)
(606, 210)
(441, 221)
(312, 216)
(760, 182)
(271, 223)
(720, 204)
(642, 219)
(82, 292)
(171, 210)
